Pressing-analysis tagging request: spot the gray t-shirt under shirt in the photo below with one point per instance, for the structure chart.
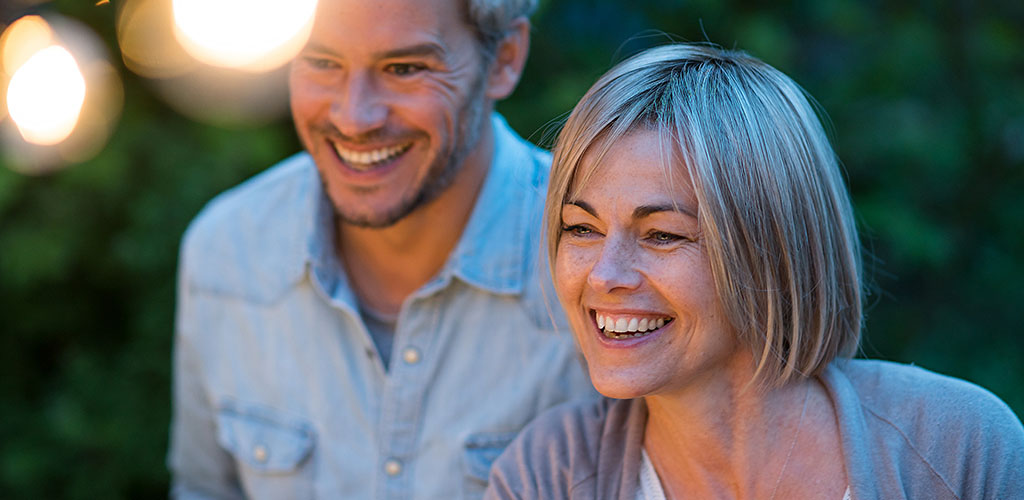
(382, 330)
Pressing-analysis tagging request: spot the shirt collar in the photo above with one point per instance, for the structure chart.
(493, 252)
(252, 240)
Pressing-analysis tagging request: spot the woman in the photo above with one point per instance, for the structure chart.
(704, 248)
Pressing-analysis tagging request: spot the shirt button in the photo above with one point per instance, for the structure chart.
(392, 467)
(411, 355)
(260, 453)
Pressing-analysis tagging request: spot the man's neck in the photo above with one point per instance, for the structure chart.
(386, 265)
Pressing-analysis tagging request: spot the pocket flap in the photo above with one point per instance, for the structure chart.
(264, 439)
(483, 449)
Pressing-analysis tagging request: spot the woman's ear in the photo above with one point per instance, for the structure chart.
(509, 60)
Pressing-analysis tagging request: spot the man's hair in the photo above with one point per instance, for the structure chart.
(773, 210)
(491, 20)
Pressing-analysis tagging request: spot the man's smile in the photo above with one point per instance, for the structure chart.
(365, 160)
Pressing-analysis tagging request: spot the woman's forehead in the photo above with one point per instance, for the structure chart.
(638, 162)
(635, 148)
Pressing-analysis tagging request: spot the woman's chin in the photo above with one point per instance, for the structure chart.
(618, 388)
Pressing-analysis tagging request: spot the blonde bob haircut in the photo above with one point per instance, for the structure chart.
(773, 210)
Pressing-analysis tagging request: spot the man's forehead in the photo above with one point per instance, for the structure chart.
(386, 25)
(374, 30)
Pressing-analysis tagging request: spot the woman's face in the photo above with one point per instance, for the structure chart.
(633, 275)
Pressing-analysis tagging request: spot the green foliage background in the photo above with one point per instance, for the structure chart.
(927, 103)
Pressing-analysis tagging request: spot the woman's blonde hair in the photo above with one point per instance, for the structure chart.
(773, 208)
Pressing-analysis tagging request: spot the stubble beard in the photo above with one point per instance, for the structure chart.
(442, 172)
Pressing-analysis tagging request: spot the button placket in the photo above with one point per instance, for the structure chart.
(403, 402)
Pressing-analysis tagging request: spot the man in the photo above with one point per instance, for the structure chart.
(367, 319)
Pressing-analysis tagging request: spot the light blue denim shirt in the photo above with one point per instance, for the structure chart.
(278, 389)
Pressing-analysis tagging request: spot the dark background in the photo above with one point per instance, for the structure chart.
(927, 104)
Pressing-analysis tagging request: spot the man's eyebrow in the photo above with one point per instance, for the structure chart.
(428, 49)
(313, 46)
(645, 210)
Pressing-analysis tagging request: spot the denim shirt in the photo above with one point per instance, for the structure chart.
(278, 390)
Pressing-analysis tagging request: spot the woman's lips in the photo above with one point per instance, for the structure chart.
(621, 326)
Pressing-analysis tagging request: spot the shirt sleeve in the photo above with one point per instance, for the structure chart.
(199, 467)
(552, 458)
(998, 470)
(511, 475)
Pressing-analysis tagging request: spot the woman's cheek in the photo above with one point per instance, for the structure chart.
(570, 272)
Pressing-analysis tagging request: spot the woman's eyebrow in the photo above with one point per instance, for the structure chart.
(641, 211)
(645, 210)
(583, 206)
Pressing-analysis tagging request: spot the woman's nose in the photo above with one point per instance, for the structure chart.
(615, 268)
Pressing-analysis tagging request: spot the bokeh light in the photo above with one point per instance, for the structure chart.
(226, 97)
(45, 96)
(252, 35)
(23, 39)
(145, 33)
(222, 62)
(62, 95)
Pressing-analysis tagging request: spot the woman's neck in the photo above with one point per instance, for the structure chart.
(725, 438)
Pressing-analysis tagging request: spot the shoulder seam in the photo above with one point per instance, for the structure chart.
(912, 447)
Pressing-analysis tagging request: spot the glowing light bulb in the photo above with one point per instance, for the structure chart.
(253, 35)
(45, 96)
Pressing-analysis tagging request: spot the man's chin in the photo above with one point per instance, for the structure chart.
(379, 219)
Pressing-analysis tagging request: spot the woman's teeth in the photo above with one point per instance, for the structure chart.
(628, 327)
(367, 159)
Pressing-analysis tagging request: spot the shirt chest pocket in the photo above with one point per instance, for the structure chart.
(271, 450)
(481, 450)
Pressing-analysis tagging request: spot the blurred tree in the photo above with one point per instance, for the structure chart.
(927, 102)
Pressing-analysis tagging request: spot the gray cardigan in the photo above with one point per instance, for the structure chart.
(906, 433)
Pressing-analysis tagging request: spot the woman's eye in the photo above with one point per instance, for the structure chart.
(577, 230)
(661, 237)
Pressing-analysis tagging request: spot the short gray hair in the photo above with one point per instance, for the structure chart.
(491, 19)
(773, 208)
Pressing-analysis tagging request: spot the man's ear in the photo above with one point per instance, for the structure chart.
(509, 60)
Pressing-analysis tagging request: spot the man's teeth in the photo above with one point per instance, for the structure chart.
(628, 327)
(368, 158)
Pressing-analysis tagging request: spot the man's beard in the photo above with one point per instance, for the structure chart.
(443, 170)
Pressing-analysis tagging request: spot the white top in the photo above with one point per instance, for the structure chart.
(650, 484)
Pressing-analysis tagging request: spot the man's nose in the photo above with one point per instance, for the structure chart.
(615, 268)
(360, 106)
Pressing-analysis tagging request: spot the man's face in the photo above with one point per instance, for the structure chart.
(388, 98)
